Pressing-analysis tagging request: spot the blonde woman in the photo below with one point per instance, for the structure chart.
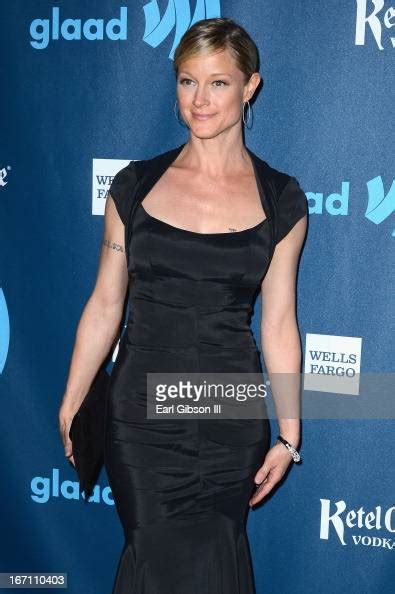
(194, 233)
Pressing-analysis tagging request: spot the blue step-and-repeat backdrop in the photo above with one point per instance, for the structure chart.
(79, 99)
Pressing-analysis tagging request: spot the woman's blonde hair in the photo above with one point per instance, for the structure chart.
(216, 34)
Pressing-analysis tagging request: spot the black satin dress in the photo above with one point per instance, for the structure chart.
(181, 486)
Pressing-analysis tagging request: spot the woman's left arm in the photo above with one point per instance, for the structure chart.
(281, 351)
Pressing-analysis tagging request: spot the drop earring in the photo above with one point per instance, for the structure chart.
(249, 114)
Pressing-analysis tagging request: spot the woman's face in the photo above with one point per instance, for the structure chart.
(211, 91)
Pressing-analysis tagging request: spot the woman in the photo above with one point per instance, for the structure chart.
(192, 232)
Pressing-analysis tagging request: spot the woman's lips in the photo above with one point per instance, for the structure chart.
(200, 116)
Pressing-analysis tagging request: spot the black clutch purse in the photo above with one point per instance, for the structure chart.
(87, 433)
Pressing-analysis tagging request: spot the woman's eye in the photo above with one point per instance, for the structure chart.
(188, 80)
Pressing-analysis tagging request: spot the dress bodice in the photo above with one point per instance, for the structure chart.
(200, 285)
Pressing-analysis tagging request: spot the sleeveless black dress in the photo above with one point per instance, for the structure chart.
(181, 486)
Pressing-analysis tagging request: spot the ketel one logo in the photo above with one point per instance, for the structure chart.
(380, 205)
(3, 174)
(374, 15)
(372, 528)
(176, 16)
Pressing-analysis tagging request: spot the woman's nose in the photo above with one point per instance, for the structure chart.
(200, 97)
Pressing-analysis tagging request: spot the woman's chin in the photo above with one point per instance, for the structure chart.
(203, 131)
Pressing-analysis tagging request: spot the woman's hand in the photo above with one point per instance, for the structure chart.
(65, 419)
(271, 472)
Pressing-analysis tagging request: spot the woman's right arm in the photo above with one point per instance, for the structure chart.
(99, 324)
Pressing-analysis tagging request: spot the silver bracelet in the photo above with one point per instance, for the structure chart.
(295, 454)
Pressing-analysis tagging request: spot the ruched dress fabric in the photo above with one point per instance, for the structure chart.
(181, 486)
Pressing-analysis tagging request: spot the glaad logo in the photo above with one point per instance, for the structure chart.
(3, 175)
(178, 15)
(375, 20)
(4, 331)
(340, 520)
(42, 30)
(380, 205)
(334, 204)
(42, 488)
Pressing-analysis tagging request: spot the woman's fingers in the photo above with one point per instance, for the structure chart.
(264, 470)
(266, 486)
(68, 451)
(67, 443)
(270, 473)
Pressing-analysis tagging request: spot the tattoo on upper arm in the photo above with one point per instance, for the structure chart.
(113, 245)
